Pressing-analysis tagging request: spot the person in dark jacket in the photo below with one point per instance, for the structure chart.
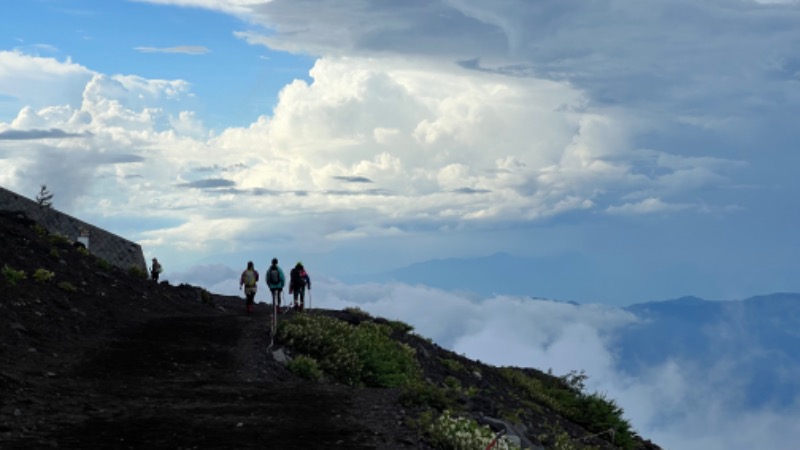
(298, 281)
(275, 282)
(155, 270)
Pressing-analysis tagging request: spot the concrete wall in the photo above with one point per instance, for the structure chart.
(108, 246)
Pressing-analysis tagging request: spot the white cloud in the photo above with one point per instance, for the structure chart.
(439, 145)
(647, 206)
(42, 82)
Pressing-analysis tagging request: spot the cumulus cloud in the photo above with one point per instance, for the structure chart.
(421, 137)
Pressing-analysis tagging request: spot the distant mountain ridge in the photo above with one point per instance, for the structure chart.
(757, 339)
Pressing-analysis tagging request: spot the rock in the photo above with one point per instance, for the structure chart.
(17, 412)
(280, 356)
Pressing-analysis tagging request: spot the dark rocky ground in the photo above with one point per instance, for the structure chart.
(98, 358)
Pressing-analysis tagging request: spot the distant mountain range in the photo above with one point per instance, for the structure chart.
(753, 343)
(756, 341)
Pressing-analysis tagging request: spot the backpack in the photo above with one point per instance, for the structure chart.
(273, 276)
(298, 278)
(249, 278)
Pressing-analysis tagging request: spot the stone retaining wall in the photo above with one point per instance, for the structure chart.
(108, 246)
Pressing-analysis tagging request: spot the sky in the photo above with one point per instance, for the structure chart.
(637, 150)
(655, 141)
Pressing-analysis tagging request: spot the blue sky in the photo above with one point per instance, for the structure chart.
(626, 151)
(647, 151)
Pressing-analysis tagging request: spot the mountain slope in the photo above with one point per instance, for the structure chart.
(95, 357)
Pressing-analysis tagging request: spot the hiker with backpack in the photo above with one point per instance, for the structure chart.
(298, 281)
(155, 270)
(249, 280)
(275, 282)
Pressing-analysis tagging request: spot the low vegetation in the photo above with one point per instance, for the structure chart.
(363, 355)
(366, 355)
(11, 275)
(451, 432)
(43, 275)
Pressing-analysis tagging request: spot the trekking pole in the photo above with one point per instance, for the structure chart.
(274, 322)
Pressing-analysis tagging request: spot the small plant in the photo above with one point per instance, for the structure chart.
(43, 275)
(82, 250)
(402, 327)
(12, 276)
(357, 311)
(452, 364)
(452, 382)
(39, 230)
(137, 272)
(105, 265)
(305, 367)
(59, 239)
(66, 286)
(55, 253)
(45, 197)
(205, 296)
(421, 393)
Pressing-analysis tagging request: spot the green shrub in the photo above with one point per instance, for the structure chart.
(59, 239)
(421, 393)
(55, 253)
(40, 230)
(458, 433)
(43, 275)
(66, 286)
(305, 367)
(452, 364)
(565, 395)
(354, 355)
(83, 250)
(205, 296)
(402, 327)
(12, 276)
(105, 265)
(357, 311)
(137, 272)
